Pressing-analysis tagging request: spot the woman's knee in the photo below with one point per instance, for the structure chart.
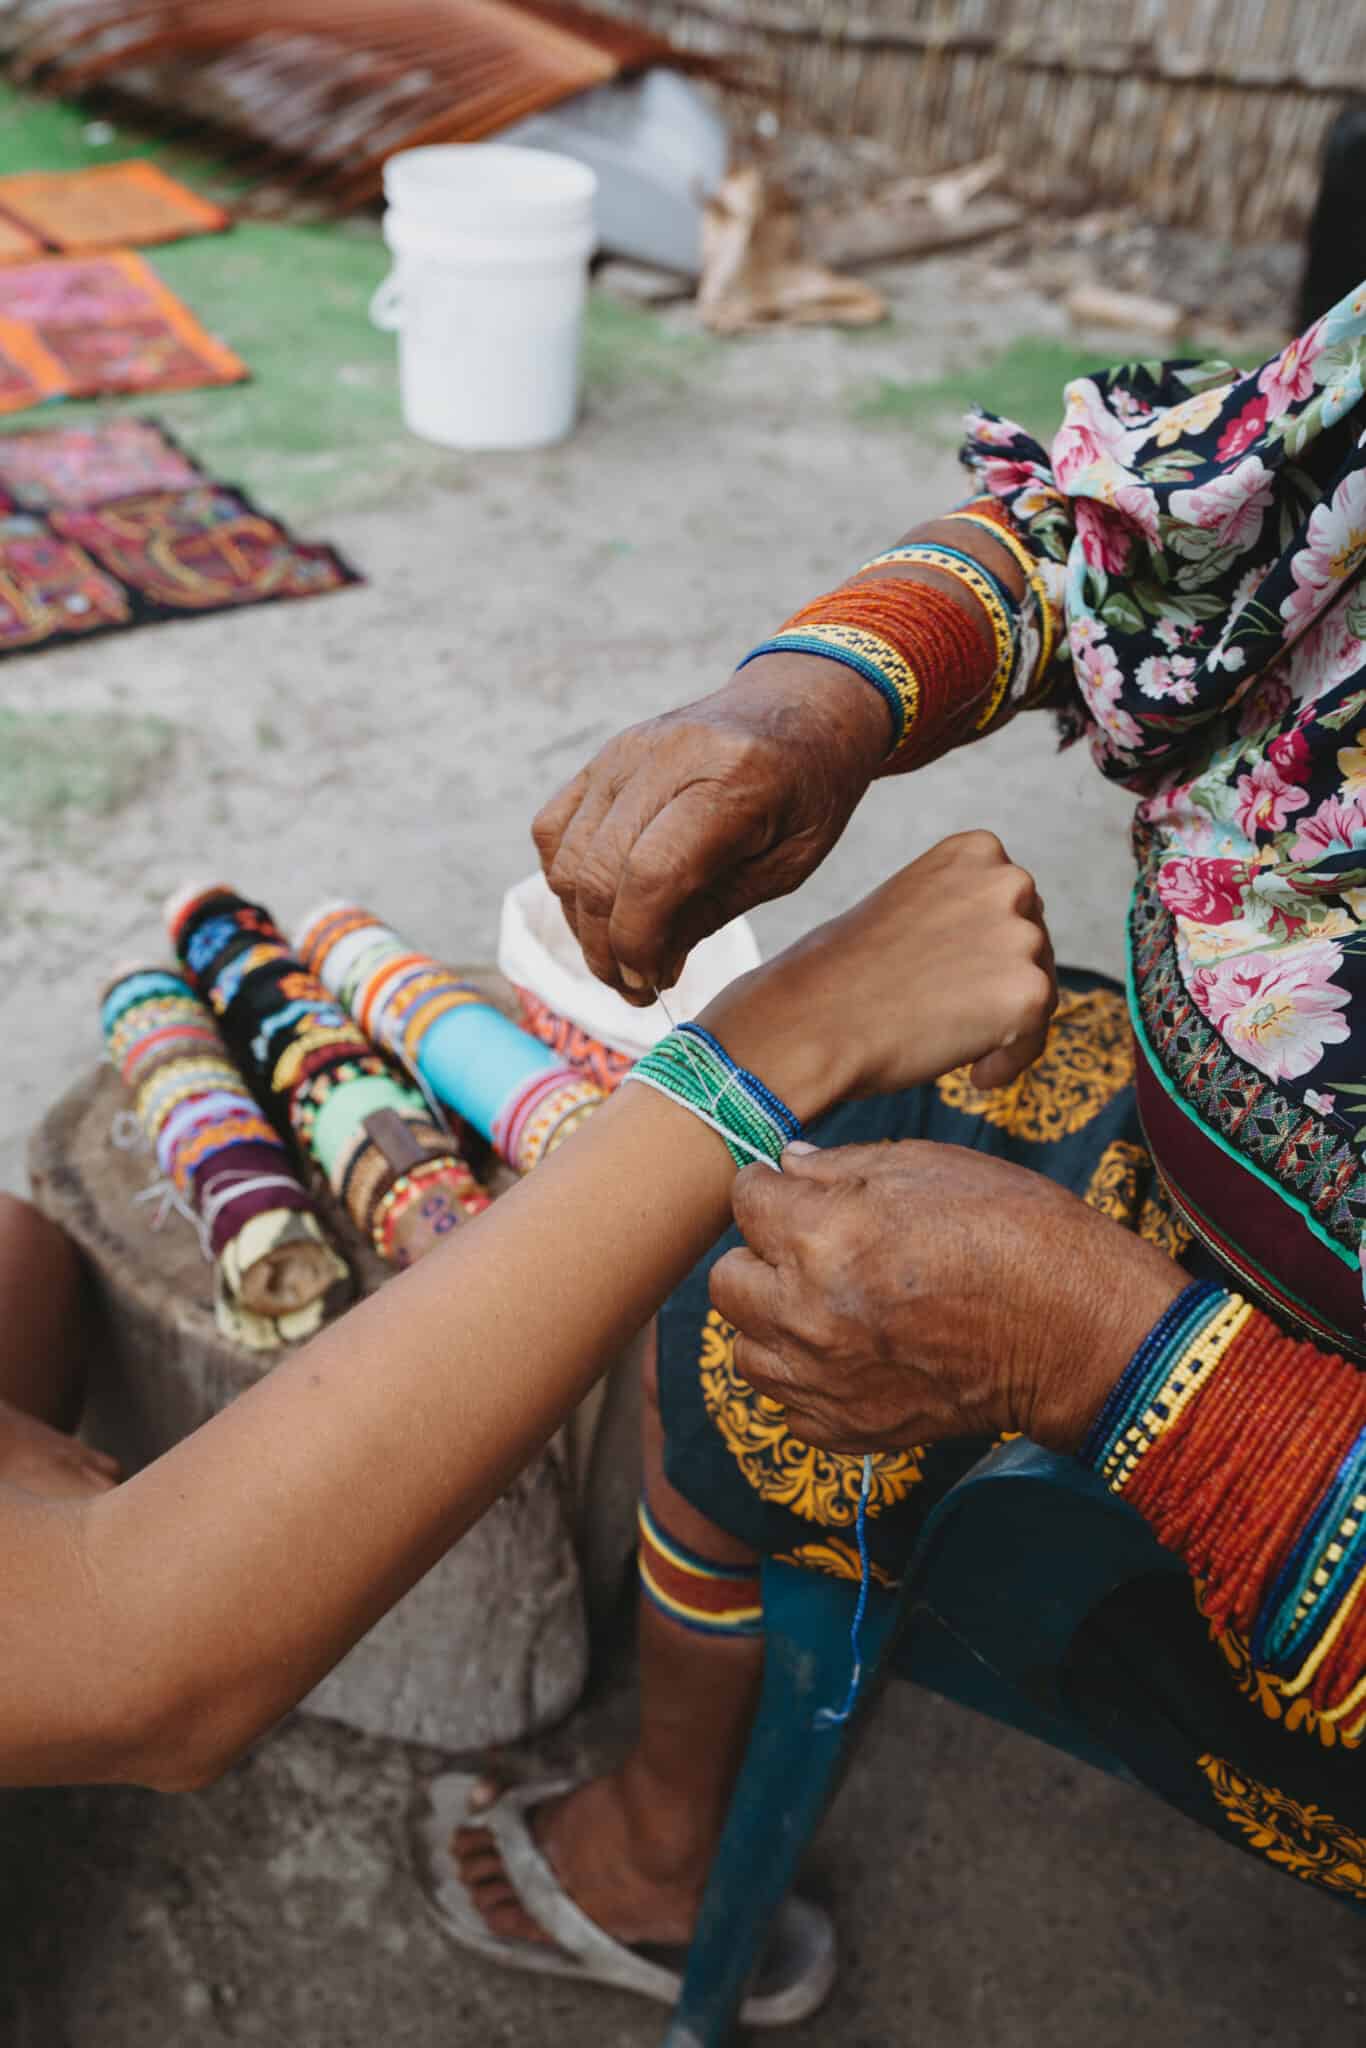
(44, 1314)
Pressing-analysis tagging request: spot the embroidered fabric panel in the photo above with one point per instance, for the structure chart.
(74, 561)
(1314, 1166)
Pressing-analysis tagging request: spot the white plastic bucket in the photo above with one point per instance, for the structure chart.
(486, 294)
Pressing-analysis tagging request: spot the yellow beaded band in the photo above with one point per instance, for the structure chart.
(1187, 1374)
(1050, 618)
(949, 562)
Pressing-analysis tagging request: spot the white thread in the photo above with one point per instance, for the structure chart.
(170, 1197)
(730, 1137)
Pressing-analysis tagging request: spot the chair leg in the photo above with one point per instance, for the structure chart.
(792, 1768)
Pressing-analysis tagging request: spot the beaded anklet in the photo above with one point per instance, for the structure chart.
(693, 1069)
(710, 1599)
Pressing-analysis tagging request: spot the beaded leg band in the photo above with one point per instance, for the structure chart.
(711, 1599)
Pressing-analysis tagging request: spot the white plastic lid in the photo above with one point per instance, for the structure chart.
(490, 184)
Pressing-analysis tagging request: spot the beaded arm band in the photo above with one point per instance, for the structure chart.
(920, 647)
(1246, 1452)
(693, 1069)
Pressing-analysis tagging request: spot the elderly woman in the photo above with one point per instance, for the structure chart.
(1180, 578)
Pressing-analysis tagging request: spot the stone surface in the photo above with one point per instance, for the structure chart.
(492, 1644)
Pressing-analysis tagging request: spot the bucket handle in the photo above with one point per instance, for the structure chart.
(386, 304)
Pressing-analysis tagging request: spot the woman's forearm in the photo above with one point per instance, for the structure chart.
(152, 1633)
(953, 661)
(218, 1586)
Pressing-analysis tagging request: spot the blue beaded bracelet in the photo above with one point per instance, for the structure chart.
(1147, 1369)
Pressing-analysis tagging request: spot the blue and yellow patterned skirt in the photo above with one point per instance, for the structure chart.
(1184, 1706)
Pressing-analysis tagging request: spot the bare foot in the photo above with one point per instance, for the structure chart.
(636, 1866)
(42, 1460)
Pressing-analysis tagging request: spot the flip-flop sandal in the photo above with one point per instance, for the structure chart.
(793, 1978)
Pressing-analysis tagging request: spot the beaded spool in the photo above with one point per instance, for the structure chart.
(513, 1090)
(395, 1170)
(275, 1275)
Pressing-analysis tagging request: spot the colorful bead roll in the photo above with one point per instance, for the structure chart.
(275, 1275)
(515, 1091)
(325, 1084)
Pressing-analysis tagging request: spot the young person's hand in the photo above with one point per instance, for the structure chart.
(947, 963)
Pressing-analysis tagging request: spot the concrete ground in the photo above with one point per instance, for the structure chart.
(392, 742)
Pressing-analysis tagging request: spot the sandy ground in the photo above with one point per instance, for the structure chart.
(392, 742)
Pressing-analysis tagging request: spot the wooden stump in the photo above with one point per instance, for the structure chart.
(493, 1643)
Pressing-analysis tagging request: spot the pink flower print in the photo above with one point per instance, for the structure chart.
(1243, 432)
(1321, 1100)
(1266, 800)
(1163, 676)
(1084, 631)
(1182, 822)
(1334, 550)
(1289, 755)
(1289, 377)
(1000, 475)
(1105, 540)
(1137, 504)
(1210, 890)
(1278, 1011)
(1328, 654)
(1100, 681)
(1089, 434)
(1231, 506)
(1133, 411)
(995, 433)
(1336, 825)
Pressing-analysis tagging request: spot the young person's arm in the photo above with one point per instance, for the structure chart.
(152, 1633)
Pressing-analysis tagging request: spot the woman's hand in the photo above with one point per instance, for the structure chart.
(680, 824)
(946, 963)
(902, 1294)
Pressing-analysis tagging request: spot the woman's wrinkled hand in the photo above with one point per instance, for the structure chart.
(946, 964)
(680, 824)
(900, 1294)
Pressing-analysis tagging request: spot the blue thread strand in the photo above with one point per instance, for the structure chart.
(837, 1717)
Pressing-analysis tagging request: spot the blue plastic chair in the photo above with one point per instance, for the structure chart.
(1009, 1566)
